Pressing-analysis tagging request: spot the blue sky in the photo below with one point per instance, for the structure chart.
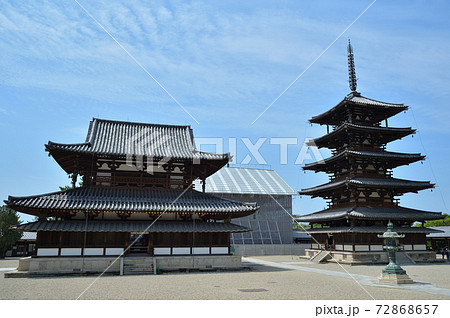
(225, 62)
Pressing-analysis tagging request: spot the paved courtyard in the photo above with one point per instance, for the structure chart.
(269, 277)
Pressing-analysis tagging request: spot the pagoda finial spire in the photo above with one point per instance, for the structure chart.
(351, 67)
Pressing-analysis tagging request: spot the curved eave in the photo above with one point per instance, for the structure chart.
(392, 159)
(119, 201)
(371, 229)
(131, 226)
(85, 148)
(204, 163)
(402, 186)
(370, 213)
(387, 134)
(330, 117)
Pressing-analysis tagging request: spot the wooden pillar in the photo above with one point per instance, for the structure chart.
(60, 243)
(149, 245)
(104, 242)
(127, 242)
(171, 238)
(210, 241)
(353, 242)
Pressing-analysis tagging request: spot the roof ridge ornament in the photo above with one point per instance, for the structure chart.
(351, 68)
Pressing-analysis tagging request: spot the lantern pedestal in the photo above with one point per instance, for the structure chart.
(393, 274)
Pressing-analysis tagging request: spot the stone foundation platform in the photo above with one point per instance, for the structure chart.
(394, 279)
(381, 257)
(50, 266)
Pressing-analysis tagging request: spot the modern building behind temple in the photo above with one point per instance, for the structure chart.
(272, 224)
(362, 193)
(136, 178)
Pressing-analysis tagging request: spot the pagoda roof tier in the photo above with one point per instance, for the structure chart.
(391, 159)
(341, 135)
(119, 139)
(129, 200)
(399, 185)
(370, 213)
(359, 106)
(131, 226)
(371, 229)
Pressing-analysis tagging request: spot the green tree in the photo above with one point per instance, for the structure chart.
(69, 187)
(8, 218)
(442, 222)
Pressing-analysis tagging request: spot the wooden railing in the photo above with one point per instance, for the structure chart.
(141, 181)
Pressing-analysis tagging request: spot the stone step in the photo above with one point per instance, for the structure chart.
(320, 257)
(137, 263)
(402, 258)
(138, 270)
(138, 266)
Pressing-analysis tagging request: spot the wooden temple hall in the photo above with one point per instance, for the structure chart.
(362, 193)
(133, 178)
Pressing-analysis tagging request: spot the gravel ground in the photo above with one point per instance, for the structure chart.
(261, 282)
(437, 274)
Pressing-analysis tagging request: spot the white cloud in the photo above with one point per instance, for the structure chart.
(209, 57)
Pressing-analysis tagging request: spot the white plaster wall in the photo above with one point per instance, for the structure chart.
(361, 248)
(91, 251)
(47, 252)
(200, 250)
(219, 250)
(161, 251)
(181, 250)
(70, 251)
(376, 248)
(114, 251)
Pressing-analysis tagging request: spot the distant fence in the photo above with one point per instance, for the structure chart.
(270, 249)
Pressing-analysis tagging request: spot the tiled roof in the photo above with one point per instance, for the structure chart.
(444, 232)
(131, 226)
(368, 212)
(370, 183)
(383, 109)
(371, 229)
(394, 158)
(246, 181)
(389, 133)
(130, 200)
(108, 137)
(28, 236)
(300, 234)
(368, 101)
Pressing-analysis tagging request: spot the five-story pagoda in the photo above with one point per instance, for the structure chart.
(362, 193)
